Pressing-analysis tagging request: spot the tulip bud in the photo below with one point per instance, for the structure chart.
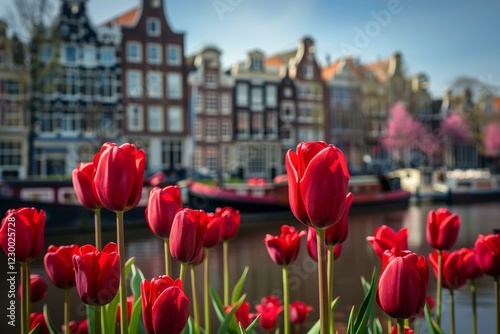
(269, 309)
(299, 312)
(385, 238)
(59, 265)
(284, 248)
(442, 229)
(163, 204)
(38, 319)
(230, 220)
(83, 182)
(38, 288)
(488, 254)
(214, 227)
(312, 246)
(337, 233)
(187, 234)
(242, 314)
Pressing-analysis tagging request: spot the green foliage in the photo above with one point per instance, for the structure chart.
(136, 325)
(432, 326)
(316, 327)
(48, 321)
(360, 324)
(238, 287)
(35, 330)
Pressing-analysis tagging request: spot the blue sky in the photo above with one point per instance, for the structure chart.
(444, 39)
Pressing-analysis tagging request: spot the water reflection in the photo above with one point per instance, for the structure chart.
(264, 278)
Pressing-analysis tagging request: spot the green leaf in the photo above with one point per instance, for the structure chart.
(350, 325)
(361, 321)
(35, 329)
(238, 287)
(189, 326)
(366, 285)
(432, 326)
(91, 318)
(217, 303)
(223, 329)
(377, 327)
(48, 321)
(242, 330)
(133, 326)
(254, 324)
(315, 329)
(135, 282)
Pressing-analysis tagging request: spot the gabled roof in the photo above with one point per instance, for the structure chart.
(280, 58)
(496, 103)
(329, 71)
(125, 19)
(380, 69)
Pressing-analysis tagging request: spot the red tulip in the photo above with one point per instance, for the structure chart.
(39, 319)
(454, 270)
(119, 176)
(337, 233)
(25, 228)
(407, 330)
(75, 327)
(165, 306)
(242, 314)
(38, 288)
(214, 227)
(299, 312)
(83, 183)
(317, 183)
(97, 273)
(312, 246)
(187, 234)
(488, 254)
(442, 229)
(431, 302)
(130, 304)
(470, 262)
(198, 259)
(230, 220)
(385, 238)
(163, 204)
(402, 288)
(59, 265)
(284, 248)
(269, 309)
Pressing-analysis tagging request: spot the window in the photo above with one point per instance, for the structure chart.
(198, 156)
(211, 131)
(12, 116)
(13, 88)
(88, 83)
(272, 122)
(134, 52)
(171, 153)
(174, 85)
(308, 72)
(257, 100)
(175, 122)
(89, 56)
(10, 153)
(211, 157)
(105, 86)
(198, 102)
(225, 104)
(46, 121)
(287, 92)
(210, 80)
(69, 83)
(225, 131)
(69, 121)
(242, 94)
(134, 84)
(135, 118)
(70, 54)
(154, 85)
(256, 64)
(153, 52)
(198, 129)
(211, 104)
(155, 118)
(243, 122)
(107, 57)
(257, 124)
(173, 55)
(153, 26)
(46, 53)
(271, 96)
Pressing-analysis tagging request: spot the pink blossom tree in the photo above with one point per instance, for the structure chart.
(455, 128)
(491, 140)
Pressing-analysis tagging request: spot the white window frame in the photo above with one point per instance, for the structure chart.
(139, 126)
(65, 48)
(173, 62)
(88, 52)
(242, 94)
(154, 61)
(107, 62)
(211, 103)
(156, 122)
(130, 58)
(272, 96)
(211, 130)
(225, 131)
(174, 94)
(171, 118)
(225, 104)
(154, 84)
(257, 100)
(149, 20)
(136, 90)
(211, 80)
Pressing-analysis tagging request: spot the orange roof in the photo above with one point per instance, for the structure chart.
(331, 69)
(496, 103)
(380, 69)
(280, 58)
(126, 19)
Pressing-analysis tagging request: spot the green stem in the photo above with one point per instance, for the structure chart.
(67, 311)
(226, 271)
(389, 325)
(25, 301)
(98, 315)
(123, 279)
(195, 301)
(182, 274)
(322, 283)
(452, 311)
(497, 303)
(331, 260)
(168, 265)
(205, 293)
(401, 326)
(97, 224)
(286, 301)
(439, 287)
(474, 306)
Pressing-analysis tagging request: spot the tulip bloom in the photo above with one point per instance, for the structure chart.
(442, 229)
(187, 234)
(269, 309)
(26, 226)
(38, 319)
(454, 270)
(38, 288)
(470, 262)
(242, 314)
(337, 233)
(230, 220)
(83, 183)
(214, 228)
(97, 273)
(385, 238)
(299, 312)
(284, 248)
(59, 265)
(75, 327)
(407, 330)
(119, 176)
(312, 246)
(130, 304)
(402, 288)
(163, 204)
(165, 306)
(488, 254)
(317, 183)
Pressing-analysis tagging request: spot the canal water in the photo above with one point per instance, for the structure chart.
(264, 277)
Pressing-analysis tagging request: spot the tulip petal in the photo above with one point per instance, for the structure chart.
(170, 311)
